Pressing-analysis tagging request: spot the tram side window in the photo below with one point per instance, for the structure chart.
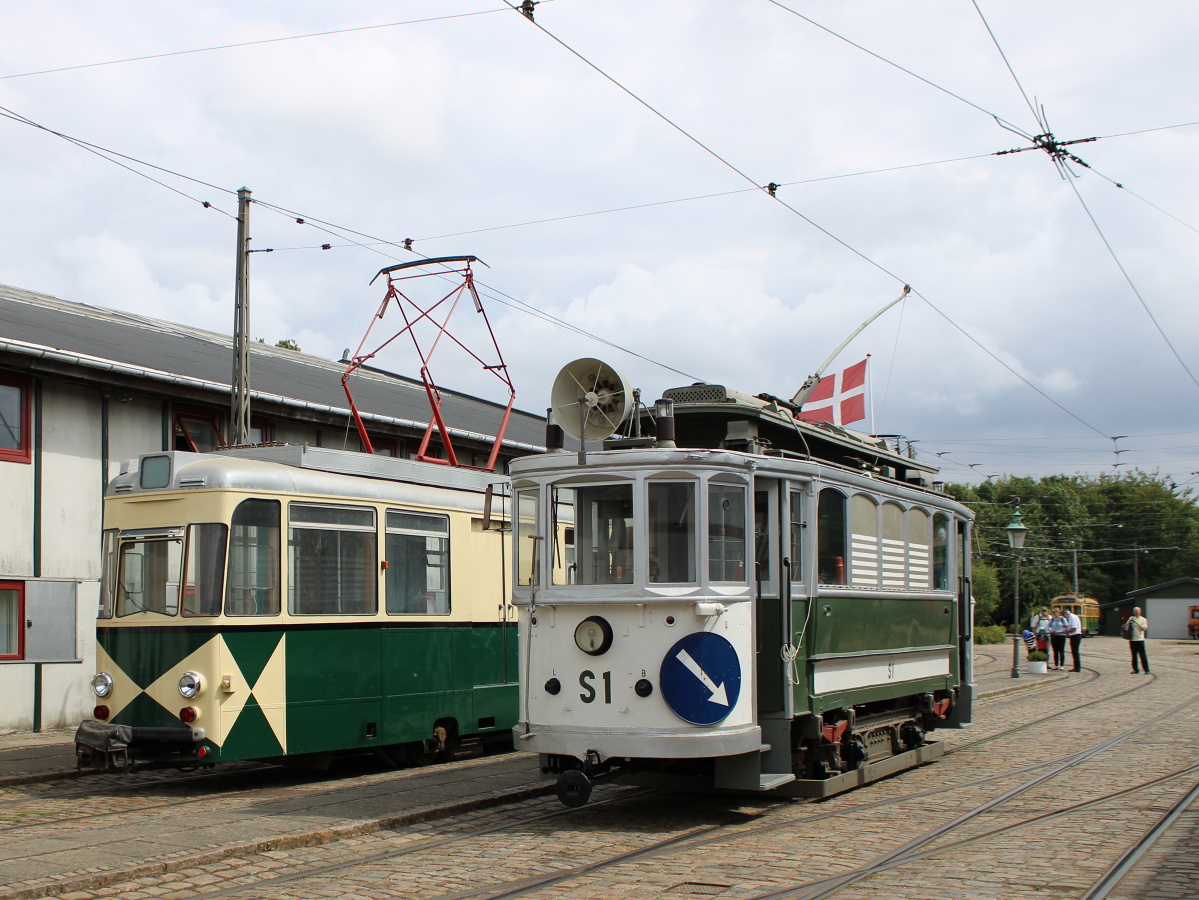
(797, 527)
(149, 576)
(604, 534)
(940, 552)
(108, 572)
(726, 532)
(526, 535)
(204, 571)
(918, 549)
(830, 533)
(418, 564)
(252, 582)
(671, 532)
(332, 560)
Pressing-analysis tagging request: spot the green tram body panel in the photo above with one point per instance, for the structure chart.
(340, 683)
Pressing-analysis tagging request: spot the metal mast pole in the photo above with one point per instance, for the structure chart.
(240, 400)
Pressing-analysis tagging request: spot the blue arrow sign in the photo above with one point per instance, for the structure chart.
(701, 678)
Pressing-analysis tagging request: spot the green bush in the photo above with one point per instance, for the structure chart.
(990, 634)
(1038, 656)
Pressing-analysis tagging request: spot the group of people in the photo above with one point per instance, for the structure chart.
(1052, 630)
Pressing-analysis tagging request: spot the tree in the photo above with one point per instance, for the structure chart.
(287, 344)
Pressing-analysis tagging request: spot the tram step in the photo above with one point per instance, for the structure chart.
(770, 780)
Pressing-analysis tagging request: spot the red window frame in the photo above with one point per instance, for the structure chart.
(264, 425)
(19, 587)
(199, 413)
(23, 453)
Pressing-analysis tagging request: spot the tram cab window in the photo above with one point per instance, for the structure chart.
(562, 533)
(204, 569)
(940, 552)
(796, 530)
(918, 549)
(418, 564)
(108, 572)
(252, 580)
(726, 532)
(332, 560)
(671, 532)
(830, 533)
(149, 576)
(527, 500)
(604, 534)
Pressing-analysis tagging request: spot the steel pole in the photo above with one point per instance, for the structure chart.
(1016, 622)
(240, 400)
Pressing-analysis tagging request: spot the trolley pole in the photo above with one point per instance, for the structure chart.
(240, 399)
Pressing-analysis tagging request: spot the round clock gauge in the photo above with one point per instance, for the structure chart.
(593, 635)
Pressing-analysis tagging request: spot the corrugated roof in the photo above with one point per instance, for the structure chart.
(140, 342)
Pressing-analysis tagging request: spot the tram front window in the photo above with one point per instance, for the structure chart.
(149, 576)
(604, 534)
(671, 532)
(204, 574)
(726, 532)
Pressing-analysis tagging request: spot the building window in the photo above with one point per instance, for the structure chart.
(15, 445)
(198, 430)
(418, 564)
(385, 446)
(262, 431)
(12, 620)
(333, 560)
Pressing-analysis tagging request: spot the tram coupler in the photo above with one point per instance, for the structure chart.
(574, 785)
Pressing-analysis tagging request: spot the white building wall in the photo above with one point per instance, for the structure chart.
(16, 509)
(1170, 617)
(71, 482)
(134, 427)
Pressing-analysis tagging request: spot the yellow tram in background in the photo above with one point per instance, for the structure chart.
(1086, 608)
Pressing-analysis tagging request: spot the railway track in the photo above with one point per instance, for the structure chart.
(308, 879)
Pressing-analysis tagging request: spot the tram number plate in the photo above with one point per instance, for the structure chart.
(587, 683)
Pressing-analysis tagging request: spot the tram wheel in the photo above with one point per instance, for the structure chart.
(419, 755)
(574, 788)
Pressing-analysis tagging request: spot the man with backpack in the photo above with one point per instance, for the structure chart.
(1136, 626)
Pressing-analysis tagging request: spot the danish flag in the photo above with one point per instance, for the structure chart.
(839, 398)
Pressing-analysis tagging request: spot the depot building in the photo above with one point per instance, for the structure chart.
(84, 388)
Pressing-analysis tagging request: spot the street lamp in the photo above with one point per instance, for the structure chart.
(1016, 532)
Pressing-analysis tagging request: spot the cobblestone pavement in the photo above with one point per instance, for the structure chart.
(741, 848)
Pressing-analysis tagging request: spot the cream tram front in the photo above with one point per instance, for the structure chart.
(761, 603)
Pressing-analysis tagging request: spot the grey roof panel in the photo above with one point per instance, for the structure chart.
(178, 349)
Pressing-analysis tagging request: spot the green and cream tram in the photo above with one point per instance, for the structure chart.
(749, 601)
(300, 602)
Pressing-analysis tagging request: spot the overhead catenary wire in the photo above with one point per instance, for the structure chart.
(257, 43)
(774, 196)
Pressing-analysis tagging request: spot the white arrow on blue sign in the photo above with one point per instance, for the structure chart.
(701, 678)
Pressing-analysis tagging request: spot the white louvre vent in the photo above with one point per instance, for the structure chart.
(196, 481)
(124, 488)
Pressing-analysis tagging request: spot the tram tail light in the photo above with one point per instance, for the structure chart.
(101, 712)
(188, 714)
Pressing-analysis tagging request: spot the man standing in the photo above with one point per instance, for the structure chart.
(1074, 632)
(1139, 625)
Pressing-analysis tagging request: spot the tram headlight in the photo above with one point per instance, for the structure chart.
(189, 685)
(593, 635)
(102, 684)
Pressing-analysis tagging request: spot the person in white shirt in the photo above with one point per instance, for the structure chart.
(1057, 638)
(1140, 625)
(1074, 633)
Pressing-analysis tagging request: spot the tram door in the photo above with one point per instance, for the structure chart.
(770, 616)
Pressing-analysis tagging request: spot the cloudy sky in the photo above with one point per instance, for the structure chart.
(603, 163)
